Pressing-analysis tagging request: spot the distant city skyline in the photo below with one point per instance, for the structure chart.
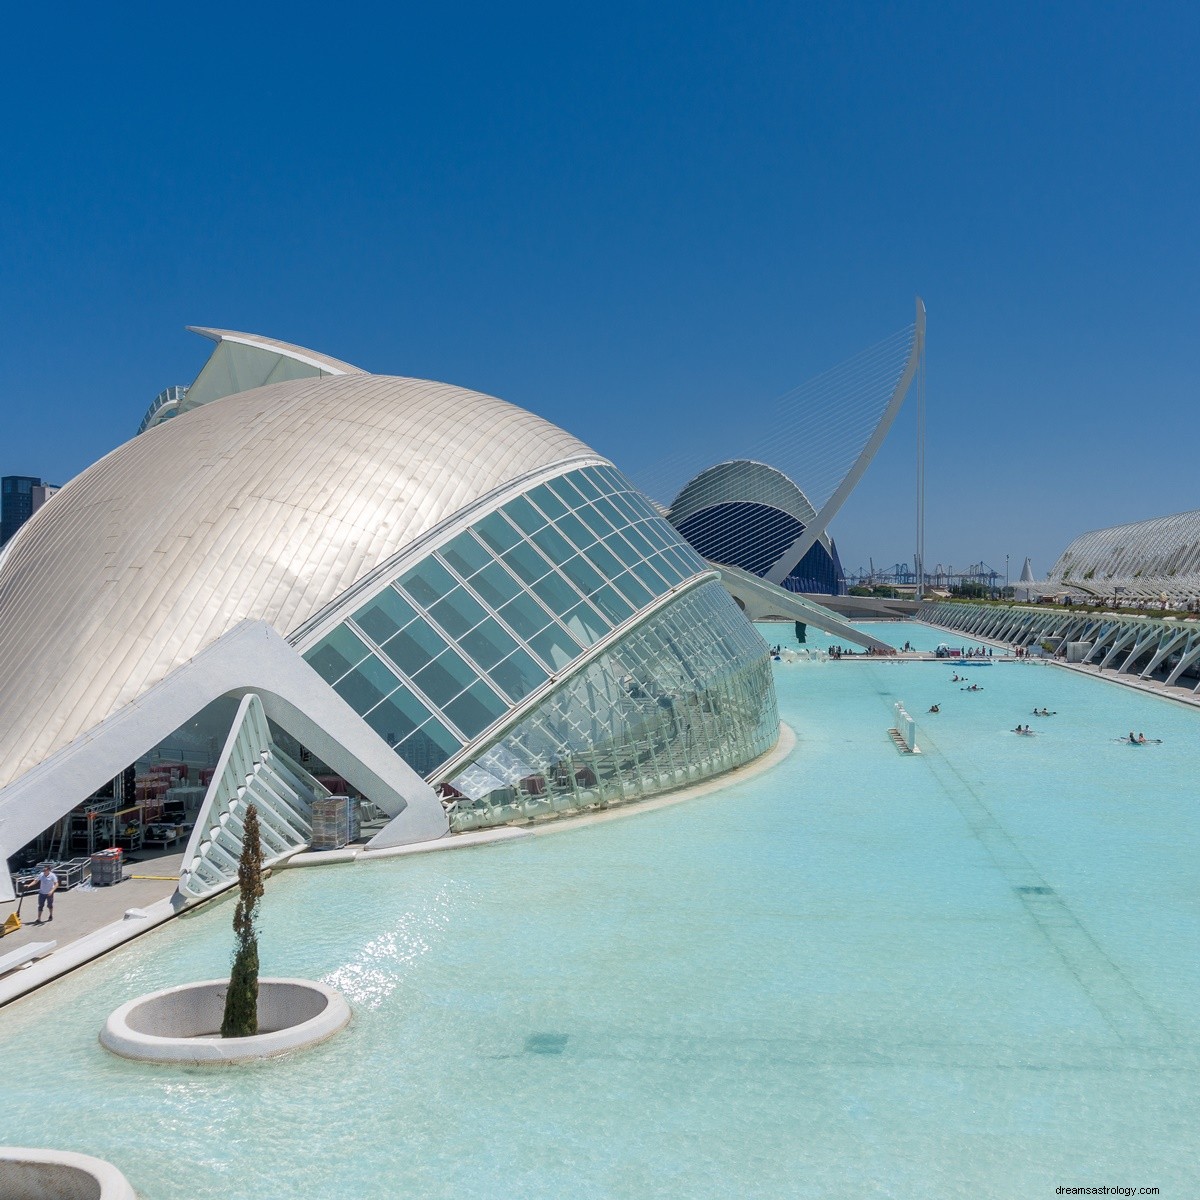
(630, 224)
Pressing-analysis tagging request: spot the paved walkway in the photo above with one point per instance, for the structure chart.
(1154, 687)
(955, 660)
(84, 910)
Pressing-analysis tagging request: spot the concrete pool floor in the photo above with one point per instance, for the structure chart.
(971, 973)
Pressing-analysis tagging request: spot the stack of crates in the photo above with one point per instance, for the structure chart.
(335, 822)
(107, 867)
(73, 872)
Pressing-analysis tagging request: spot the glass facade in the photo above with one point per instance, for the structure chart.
(684, 696)
(754, 536)
(452, 644)
(16, 503)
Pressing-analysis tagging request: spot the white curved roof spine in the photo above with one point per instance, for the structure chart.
(326, 364)
(238, 363)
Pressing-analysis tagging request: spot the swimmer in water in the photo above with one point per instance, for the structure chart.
(935, 708)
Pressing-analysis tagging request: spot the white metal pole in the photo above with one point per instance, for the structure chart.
(920, 564)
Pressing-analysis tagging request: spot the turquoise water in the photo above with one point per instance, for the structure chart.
(823, 982)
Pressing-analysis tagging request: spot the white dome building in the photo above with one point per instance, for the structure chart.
(746, 514)
(463, 610)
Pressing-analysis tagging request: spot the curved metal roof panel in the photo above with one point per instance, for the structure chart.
(745, 480)
(267, 505)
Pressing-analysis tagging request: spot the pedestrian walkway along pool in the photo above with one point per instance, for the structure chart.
(969, 972)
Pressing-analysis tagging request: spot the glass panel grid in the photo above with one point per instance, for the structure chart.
(570, 496)
(367, 684)
(465, 554)
(516, 581)
(578, 533)
(386, 615)
(686, 695)
(337, 654)
(594, 520)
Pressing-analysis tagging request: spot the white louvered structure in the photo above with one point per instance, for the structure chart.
(749, 515)
(824, 434)
(746, 481)
(1144, 560)
(252, 770)
(745, 517)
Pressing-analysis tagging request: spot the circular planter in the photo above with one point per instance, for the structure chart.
(59, 1175)
(182, 1024)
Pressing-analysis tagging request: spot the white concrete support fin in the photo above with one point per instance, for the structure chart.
(744, 586)
(1153, 634)
(1186, 661)
(1167, 644)
(251, 770)
(1125, 639)
(1115, 641)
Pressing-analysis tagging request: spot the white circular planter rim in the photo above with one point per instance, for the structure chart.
(113, 1185)
(119, 1036)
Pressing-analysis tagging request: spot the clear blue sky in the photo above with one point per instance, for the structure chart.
(629, 217)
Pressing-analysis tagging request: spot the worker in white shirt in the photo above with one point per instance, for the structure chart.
(47, 886)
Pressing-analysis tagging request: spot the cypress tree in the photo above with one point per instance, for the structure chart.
(241, 1001)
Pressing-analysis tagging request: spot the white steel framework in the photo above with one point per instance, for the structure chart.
(1144, 560)
(1149, 648)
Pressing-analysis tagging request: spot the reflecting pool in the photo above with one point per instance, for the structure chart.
(969, 972)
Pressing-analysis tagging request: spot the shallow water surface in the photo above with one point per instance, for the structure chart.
(972, 971)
